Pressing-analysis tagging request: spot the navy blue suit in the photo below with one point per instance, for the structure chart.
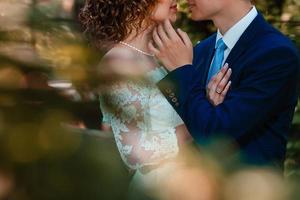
(258, 109)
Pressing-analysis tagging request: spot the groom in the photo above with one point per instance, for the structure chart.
(258, 109)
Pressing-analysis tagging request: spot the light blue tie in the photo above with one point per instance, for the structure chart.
(217, 60)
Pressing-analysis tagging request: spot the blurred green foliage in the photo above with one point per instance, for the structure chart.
(41, 43)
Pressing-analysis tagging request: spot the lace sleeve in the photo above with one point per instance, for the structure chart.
(125, 108)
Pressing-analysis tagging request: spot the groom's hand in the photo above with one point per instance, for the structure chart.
(173, 49)
(218, 86)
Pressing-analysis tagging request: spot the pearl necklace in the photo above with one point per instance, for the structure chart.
(136, 49)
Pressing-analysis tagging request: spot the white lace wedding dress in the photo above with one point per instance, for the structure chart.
(143, 124)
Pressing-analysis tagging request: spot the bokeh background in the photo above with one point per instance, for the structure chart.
(52, 144)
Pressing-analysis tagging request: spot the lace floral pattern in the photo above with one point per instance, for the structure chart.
(142, 120)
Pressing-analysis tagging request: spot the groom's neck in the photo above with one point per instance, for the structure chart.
(231, 14)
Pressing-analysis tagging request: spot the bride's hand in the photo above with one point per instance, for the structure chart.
(218, 86)
(173, 49)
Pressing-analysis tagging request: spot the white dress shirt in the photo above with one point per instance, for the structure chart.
(231, 37)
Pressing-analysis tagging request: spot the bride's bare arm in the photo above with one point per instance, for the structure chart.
(183, 135)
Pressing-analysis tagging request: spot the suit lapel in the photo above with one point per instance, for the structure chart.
(246, 39)
(204, 64)
(257, 25)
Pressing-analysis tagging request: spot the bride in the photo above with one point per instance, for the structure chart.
(147, 130)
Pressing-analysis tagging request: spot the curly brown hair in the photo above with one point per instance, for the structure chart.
(110, 21)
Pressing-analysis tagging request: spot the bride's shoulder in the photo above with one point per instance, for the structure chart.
(121, 61)
(118, 54)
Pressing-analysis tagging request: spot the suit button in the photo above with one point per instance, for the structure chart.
(168, 91)
(172, 95)
(177, 104)
(174, 100)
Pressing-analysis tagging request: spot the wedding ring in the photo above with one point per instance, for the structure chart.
(218, 92)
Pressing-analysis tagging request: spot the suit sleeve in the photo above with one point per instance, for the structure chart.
(261, 90)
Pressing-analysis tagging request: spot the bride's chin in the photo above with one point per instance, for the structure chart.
(173, 19)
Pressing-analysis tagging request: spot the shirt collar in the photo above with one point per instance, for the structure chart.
(231, 37)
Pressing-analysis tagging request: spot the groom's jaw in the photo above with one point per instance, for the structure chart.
(224, 13)
(204, 9)
(231, 14)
